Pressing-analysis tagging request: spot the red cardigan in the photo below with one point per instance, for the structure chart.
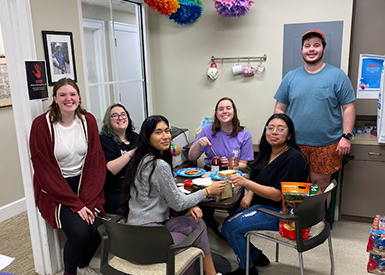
(50, 187)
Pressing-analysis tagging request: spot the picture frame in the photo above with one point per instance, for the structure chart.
(5, 91)
(59, 55)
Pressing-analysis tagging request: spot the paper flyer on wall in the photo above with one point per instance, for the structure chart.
(369, 75)
(381, 111)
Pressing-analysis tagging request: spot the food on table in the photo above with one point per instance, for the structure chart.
(226, 173)
(192, 172)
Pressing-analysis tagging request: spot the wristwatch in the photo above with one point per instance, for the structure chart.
(348, 136)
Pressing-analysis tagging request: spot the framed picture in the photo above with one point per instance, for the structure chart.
(59, 55)
(5, 91)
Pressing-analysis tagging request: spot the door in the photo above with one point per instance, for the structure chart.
(128, 70)
(115, 54)
(292, 57)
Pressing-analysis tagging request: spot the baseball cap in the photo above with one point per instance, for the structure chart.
(314, 31)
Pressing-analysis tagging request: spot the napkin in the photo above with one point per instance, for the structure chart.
(203, 182)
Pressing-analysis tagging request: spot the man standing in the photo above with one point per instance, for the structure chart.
(312, 95)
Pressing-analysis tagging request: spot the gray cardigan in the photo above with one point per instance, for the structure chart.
(154, 207)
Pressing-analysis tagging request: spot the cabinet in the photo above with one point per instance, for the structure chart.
(363, 191)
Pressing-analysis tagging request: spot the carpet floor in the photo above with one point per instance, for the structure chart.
(15, 242)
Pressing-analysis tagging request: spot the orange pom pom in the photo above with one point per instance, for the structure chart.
(164, 7)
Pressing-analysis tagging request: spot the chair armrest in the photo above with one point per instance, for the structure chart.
(105, 245)
(278, 214)
(112, 218)
(188, 241)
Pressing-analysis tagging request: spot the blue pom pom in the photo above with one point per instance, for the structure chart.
(187, 13)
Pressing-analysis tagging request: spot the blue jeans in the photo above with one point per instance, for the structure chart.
(240, 222)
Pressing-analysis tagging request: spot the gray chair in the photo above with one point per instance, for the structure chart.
(145, 250)
(310, 212)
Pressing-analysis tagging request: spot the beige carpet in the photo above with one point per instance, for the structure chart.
(15, 242)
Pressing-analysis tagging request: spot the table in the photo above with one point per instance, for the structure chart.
(222, 204)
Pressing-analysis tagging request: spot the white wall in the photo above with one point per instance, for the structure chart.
(180, 57)
(1, 43)
(11, 185)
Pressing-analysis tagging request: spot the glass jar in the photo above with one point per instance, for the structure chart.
(233, 163)
(216, 164)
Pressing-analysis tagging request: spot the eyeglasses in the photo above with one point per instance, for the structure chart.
(280, 130)
(116, 115)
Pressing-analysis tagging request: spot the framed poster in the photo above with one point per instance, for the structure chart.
(5, 91)
(59, 55)
(369, 75)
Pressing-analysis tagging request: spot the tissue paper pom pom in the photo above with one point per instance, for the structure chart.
(229, 8)
(188, 12)
(164, 7)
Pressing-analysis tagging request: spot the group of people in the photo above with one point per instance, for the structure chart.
(81, 174)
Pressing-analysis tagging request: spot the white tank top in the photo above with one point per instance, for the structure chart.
(70, 148)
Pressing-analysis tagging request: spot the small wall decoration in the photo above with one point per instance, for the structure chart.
(5, 91)
(59, 55)
(233, 8)
(182, 12)
(188, 12)
(164, 7)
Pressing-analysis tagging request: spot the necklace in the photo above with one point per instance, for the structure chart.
(280, 153)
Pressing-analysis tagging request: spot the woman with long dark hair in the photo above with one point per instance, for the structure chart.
(118, 141)
(279, 160)
(152, 190)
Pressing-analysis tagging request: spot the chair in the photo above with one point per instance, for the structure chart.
(310, 212)
(145, 250)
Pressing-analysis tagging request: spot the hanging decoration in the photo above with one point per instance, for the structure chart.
(188, 12)
(164, 7)
(233, 8)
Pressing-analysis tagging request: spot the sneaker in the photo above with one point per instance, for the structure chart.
(87, 271)
(219, 273)
(261, 260)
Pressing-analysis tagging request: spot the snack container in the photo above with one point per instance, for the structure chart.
(287, 229)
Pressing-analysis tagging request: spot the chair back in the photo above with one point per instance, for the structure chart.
(140, 244)
(312, 209)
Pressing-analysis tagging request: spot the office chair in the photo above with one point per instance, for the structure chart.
(145, 250)
(310, 212)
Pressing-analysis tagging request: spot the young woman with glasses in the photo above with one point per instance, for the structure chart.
(118, 141)
(279, 159)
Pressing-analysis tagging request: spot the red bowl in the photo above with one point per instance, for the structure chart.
(187, 183)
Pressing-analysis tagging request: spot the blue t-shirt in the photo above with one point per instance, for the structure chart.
(224, 145)
(314, 103)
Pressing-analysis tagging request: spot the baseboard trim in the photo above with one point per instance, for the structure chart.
(14, 208)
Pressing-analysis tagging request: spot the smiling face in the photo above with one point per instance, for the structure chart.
(225, 111)
(118, 119)
(277, 132)
(67, 99)
(313, 50)
(160, 138)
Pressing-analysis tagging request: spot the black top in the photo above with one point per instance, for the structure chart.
(290, 166)
(113, 186)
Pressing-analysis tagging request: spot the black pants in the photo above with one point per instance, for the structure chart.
(82, 239)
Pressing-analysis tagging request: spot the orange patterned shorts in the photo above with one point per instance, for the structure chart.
(323, 159)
